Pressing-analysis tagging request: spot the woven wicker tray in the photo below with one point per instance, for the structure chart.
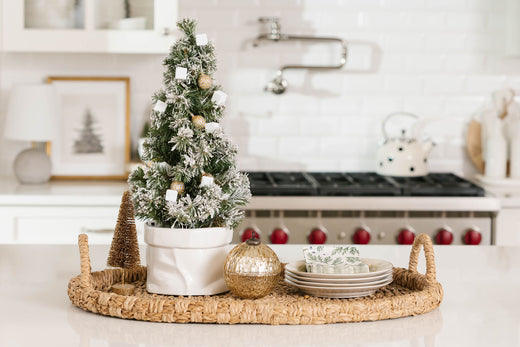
(411, 293)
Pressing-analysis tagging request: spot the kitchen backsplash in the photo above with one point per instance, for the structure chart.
(430, 57)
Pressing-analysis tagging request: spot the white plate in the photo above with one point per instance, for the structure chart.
(334, 292)
(383, 281)
(341, 289)
(339, 280)
(377, 267)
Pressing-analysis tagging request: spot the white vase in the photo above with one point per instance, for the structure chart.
(186, 261)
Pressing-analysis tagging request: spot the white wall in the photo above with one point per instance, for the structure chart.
(435, 58)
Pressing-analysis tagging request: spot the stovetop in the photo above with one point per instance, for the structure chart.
(359, 184)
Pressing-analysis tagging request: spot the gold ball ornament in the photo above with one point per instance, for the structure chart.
(178, 186)
(252, 270)
(198, 121)
(204, 81)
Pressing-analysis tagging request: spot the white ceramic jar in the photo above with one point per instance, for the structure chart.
(186, 261)
(496, 152)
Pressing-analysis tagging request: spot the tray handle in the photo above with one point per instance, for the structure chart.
(86, 277)
(425, 241)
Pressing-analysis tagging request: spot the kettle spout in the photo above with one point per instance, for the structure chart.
(427, 146)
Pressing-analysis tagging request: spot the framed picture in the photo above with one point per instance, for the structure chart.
(93, 139)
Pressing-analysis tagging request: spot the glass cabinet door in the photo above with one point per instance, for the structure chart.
(124, 14)
(54, 14)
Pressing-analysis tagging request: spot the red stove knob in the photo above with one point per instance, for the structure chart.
(406, 237)
(472, 237)
(248, 233)
(279, 236)
(361, 237)
(317, 237)
(444, 237)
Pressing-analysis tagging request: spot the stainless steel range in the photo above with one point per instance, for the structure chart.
(362, 208)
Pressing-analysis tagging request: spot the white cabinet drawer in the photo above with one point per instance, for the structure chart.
(508, 227)
(62, 225)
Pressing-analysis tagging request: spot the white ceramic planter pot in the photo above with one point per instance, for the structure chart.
(186, 261)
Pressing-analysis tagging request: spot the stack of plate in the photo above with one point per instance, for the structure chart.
(327, 285)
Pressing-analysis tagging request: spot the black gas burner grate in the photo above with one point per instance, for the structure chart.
(359, 184)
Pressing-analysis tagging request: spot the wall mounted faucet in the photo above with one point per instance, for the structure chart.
(279, 84)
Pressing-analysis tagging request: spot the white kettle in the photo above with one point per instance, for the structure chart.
(405, 156)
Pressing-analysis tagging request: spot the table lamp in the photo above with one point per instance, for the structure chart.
(32, 116)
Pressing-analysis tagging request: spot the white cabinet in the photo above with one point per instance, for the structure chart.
(58, 212)
(508, 227)
(95, 26)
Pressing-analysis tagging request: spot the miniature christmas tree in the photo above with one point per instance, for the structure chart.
(124, 251)
(191, 180)
(89, 141)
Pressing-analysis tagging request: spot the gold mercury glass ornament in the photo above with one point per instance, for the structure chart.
(204, 81)
(252, 269)
(198, 121)
(178, 186)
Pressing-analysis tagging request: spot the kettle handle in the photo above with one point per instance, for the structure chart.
(401, 113)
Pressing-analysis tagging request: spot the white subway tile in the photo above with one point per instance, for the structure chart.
(298, 146)
(346, 105)
(337, 147)
(278, 126)
(319, 164)
(464, 106)
(297, 105)
(398, 84)
(409, 42)
(446, 84)
(445, 42)
(448, 5)
(323, 126)
(427, 106)
(262, 146)
(470, 63)
(464, 21)
(424, 63)
(378, 106)
(363, 83)
(389, 21)
(484, 84)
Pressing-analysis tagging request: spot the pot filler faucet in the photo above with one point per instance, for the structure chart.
(278, 84)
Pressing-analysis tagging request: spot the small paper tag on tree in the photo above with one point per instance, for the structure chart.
(171, 195)
(181, 73)
(160, 106)
(211, 127)
(206, 181)
(201, 39)
(219, 98)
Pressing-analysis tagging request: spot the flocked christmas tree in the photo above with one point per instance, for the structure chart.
(191, 180)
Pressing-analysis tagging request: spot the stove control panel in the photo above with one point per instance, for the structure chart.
(448, 230)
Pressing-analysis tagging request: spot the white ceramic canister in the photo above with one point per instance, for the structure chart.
(186, 261)
(514, 152)
(496, 151)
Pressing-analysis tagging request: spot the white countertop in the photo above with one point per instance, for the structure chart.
(481, 306)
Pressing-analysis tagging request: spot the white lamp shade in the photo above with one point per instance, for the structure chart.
(32, 113)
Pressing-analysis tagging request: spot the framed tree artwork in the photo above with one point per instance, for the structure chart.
(93, 139)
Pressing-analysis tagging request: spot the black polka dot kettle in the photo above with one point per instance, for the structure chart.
(406, 155)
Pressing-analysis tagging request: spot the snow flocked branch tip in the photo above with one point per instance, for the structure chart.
(185, 143)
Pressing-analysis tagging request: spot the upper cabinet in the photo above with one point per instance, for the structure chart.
(95, 26)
